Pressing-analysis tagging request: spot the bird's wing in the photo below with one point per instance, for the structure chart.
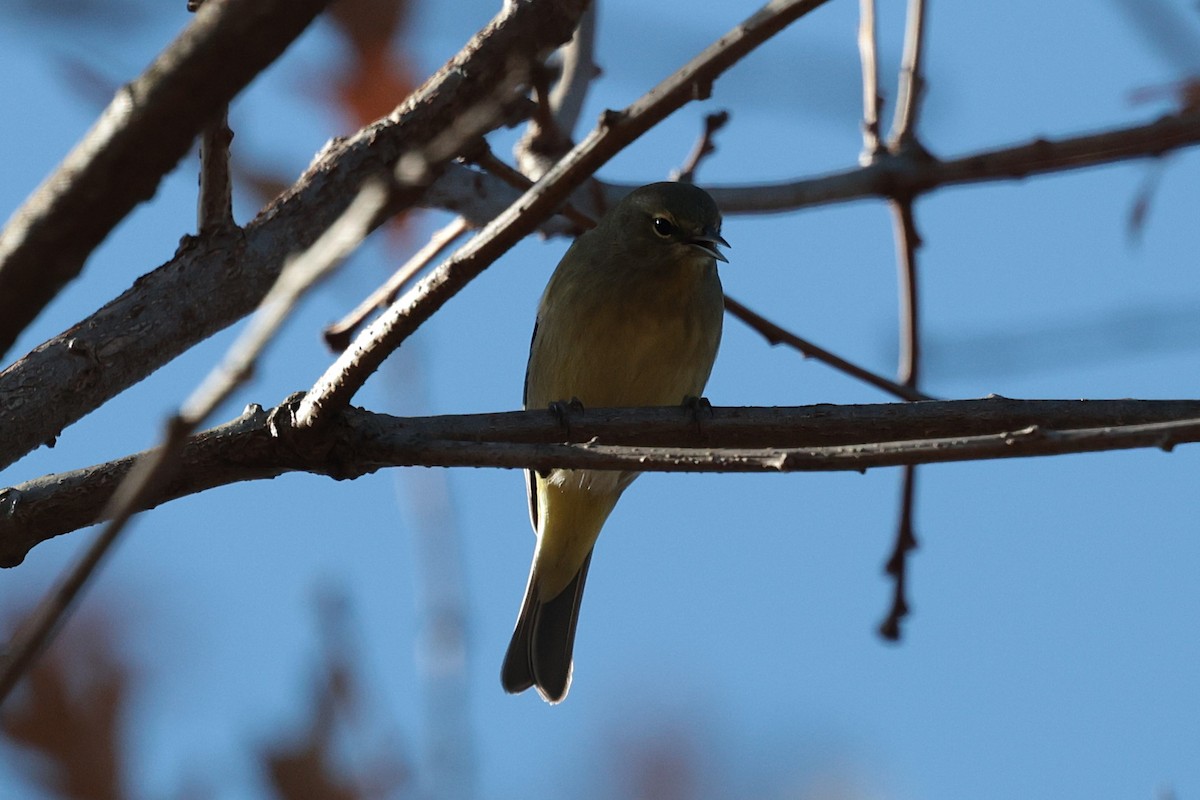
(530, 477)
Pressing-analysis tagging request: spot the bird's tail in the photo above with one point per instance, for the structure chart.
(540, 651)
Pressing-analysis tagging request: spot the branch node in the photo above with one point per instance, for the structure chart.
(705, 146)
(610, 118)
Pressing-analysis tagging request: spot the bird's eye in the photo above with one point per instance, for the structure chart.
(663, 227)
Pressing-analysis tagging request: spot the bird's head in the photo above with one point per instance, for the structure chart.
(675, 222)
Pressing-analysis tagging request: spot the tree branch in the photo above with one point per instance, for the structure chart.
(919, 174)
(142, 135)
(872, 101)
(904, 142)
(806, 438)
(479, 197)
(187, 300)
(777, 335)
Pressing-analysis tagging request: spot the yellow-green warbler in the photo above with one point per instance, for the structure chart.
(631, 317)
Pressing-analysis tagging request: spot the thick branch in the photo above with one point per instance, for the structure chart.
(189, 299)
(148, 127)
(822, 437)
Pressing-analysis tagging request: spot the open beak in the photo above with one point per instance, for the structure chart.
(707, 243)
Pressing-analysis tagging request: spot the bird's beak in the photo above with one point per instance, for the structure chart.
(707, 243)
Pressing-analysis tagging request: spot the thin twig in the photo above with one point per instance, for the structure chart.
(774, 335)
(542, 143)
(334, 390)
(578, 70)
(897, 563)
(521, 182)
(337, 335)
(912, 81)
(548, 134)
(704, 147)
(214, 209)
(872, 100)
(904, 140)
(907, 242)
(905, 539)
(299, 277)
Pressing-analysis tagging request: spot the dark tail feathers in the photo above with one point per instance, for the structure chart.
(540, 651)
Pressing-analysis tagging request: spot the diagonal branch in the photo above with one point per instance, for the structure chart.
(141, 136)
(777, 335)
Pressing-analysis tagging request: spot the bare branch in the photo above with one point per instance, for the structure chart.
(904, 140)
(912, 81)
(705, 146)
(820, 437)
(343, 379)
(141, 136)
(337, 335)
(896, 567)
(188, 299)
(479, 197)
(578, 70)
(872, 101)
(777, 335)
(519, 181)
(214, 210)
(547, 137)
(907, 242)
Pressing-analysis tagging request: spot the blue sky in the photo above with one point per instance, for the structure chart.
(1052, 646)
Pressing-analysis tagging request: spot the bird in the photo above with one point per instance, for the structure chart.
(630, 317)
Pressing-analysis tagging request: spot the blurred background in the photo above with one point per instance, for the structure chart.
(306, 638)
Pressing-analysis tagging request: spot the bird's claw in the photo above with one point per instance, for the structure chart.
(699, 408)
(562, 411)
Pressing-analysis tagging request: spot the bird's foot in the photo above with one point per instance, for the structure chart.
(699, 408)
(563, 409)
